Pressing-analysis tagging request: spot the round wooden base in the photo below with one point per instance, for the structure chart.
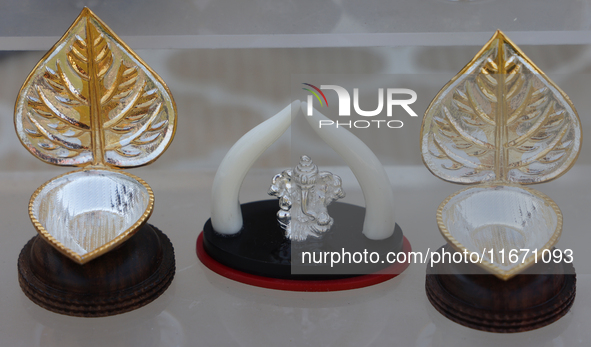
(536, 298)
(262, 256)
(262, 249)
(126, 278)
(327, 285)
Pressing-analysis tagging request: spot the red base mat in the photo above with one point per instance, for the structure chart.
(299, 285)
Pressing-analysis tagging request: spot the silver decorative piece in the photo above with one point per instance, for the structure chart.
(304, 194)
(246, 239)
(500, 123)
(93, 103)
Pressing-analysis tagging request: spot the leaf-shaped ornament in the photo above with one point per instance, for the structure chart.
(92, 101)
(500, 119)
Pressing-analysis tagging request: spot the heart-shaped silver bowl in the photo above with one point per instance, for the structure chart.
(86, 213)
(504, 219)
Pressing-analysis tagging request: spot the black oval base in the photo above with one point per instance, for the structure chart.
(261, 248)
(126, 278)
(538, 297)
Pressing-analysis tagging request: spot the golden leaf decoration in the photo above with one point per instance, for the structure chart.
(500, 119)
(92, 101)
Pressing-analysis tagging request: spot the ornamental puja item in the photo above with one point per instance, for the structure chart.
(262, 243)
(92, 102)
(498, 125)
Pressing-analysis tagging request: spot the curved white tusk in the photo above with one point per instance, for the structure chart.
(226, 217)
(379, 199)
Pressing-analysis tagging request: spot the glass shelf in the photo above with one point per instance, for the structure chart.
(222, 93)
(37, 24)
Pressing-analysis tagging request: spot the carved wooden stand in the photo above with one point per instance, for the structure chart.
(130, 276)
(539, 296)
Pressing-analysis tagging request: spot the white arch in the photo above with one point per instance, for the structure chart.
(226, 216)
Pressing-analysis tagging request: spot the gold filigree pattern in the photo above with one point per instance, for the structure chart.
(92, 101)
(500, 119)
